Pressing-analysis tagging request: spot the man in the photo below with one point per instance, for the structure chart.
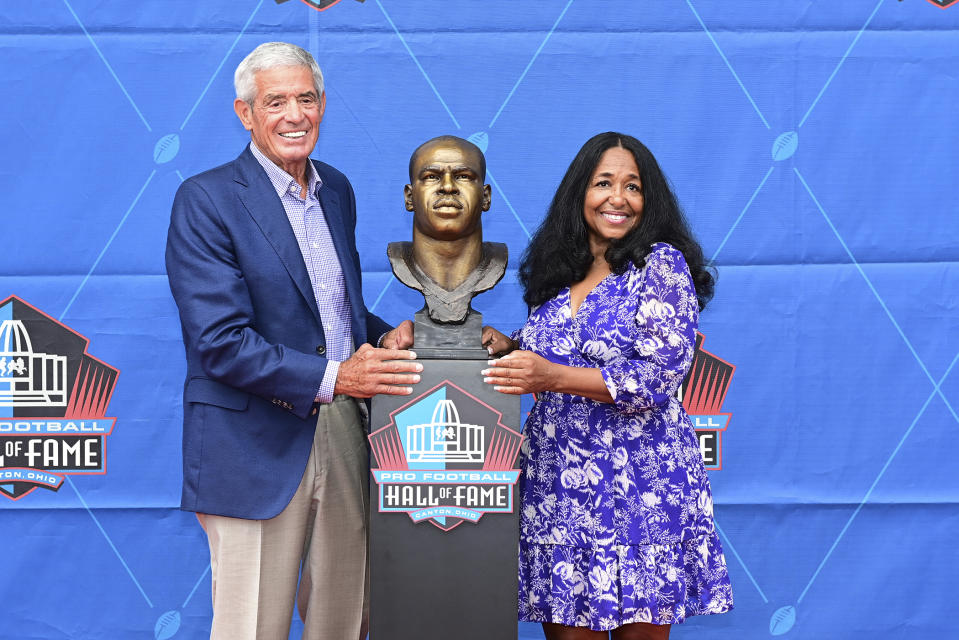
(263, 266)
(447, 259)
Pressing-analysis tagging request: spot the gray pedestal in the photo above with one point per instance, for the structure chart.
(444, 513)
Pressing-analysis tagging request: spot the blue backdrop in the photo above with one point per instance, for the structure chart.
(812, 144)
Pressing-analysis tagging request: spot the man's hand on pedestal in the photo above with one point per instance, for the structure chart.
(370, 371)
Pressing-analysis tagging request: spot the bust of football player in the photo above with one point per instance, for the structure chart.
(447, 260)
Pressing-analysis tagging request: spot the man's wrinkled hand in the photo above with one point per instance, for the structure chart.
(399, 338)
(371, 371)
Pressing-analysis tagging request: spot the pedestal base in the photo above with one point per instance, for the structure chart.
(444, 512)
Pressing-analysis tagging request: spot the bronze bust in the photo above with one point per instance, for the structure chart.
(447, 260)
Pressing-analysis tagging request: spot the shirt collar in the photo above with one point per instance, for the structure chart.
(280, 179)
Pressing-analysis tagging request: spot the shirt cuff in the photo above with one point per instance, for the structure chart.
(325, 392)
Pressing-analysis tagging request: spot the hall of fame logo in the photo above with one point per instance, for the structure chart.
(445, 457)
(319, 5)
(53, 402)
(943, 4)
(702, 393)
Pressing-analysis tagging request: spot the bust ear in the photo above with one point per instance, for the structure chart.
(487, 195)
(408, 197)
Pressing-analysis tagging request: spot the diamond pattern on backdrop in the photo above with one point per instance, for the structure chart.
(797, 136)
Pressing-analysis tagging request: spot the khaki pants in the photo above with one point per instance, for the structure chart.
(256, 563)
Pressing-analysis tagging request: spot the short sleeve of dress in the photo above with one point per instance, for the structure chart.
(664, 335)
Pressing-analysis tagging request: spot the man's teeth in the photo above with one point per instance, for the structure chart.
(294, 134)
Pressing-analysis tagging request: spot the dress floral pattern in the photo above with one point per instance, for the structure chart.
(617, 515)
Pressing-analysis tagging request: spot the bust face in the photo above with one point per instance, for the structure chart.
(447, 195)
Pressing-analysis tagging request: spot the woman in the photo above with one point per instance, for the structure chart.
(617, 533)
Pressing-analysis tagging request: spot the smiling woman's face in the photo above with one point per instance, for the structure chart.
(613, 205)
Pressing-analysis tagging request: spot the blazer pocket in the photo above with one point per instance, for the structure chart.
(206, 391)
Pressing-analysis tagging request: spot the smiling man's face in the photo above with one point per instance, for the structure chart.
(446, 194)
(284, 119)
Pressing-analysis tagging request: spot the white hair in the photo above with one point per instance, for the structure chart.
(268, 56)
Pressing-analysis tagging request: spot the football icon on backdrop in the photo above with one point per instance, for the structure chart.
(445, 457)
(319, 5)
(53, 402)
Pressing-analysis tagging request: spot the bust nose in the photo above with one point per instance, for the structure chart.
(447, 184)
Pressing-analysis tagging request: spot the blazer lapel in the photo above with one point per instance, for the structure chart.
(259, 197)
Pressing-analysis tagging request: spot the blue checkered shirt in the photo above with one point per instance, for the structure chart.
(319, 255)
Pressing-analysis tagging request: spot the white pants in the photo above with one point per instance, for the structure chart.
(256, 563)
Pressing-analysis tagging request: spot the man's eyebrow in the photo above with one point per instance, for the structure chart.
(270, 97)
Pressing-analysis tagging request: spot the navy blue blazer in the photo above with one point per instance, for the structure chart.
(255, 347)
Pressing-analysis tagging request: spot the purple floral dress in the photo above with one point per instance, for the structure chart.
(617, 516)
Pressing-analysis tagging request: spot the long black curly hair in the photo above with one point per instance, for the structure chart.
(558, 254)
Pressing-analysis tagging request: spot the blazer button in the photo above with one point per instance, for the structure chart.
(321, 350)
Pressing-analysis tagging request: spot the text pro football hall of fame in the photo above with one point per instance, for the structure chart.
(53, 402)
